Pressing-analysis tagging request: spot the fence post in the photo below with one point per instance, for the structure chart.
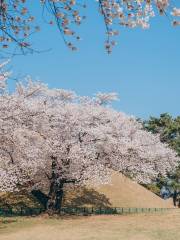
(100, 210)
(21, 211)
(11, 211)
(31, 211)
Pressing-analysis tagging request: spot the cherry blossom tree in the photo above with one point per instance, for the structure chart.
(17, 23)
(52, 137)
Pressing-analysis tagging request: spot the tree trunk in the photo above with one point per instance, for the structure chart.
(56, 189)
(55, 197)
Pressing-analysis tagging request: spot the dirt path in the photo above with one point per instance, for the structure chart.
(165, 226)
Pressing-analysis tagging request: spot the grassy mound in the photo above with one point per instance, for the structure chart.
(121, 192)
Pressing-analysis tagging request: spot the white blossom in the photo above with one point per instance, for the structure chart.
(85, 139)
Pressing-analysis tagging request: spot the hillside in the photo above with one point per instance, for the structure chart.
(122, 192)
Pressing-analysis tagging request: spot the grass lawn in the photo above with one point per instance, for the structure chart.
(156, 226)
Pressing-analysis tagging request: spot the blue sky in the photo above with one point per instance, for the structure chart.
(143, 68)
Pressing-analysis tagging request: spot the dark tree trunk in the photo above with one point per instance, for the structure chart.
(59, 198)
(55, 195)
(175, 194)
(56, 190)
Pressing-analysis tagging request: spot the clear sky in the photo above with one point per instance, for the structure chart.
(144, 68)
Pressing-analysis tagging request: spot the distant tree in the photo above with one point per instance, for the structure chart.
(168, 129)
(51, 137)
(17, 23)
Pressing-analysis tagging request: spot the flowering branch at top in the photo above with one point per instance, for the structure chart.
(17, 23)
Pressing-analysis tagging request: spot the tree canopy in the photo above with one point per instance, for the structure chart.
(51, 137)
(168, 128)
(17, 23)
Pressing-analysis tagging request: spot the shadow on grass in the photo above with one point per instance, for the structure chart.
(18, 200)
(84, 197)
(74, 197)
